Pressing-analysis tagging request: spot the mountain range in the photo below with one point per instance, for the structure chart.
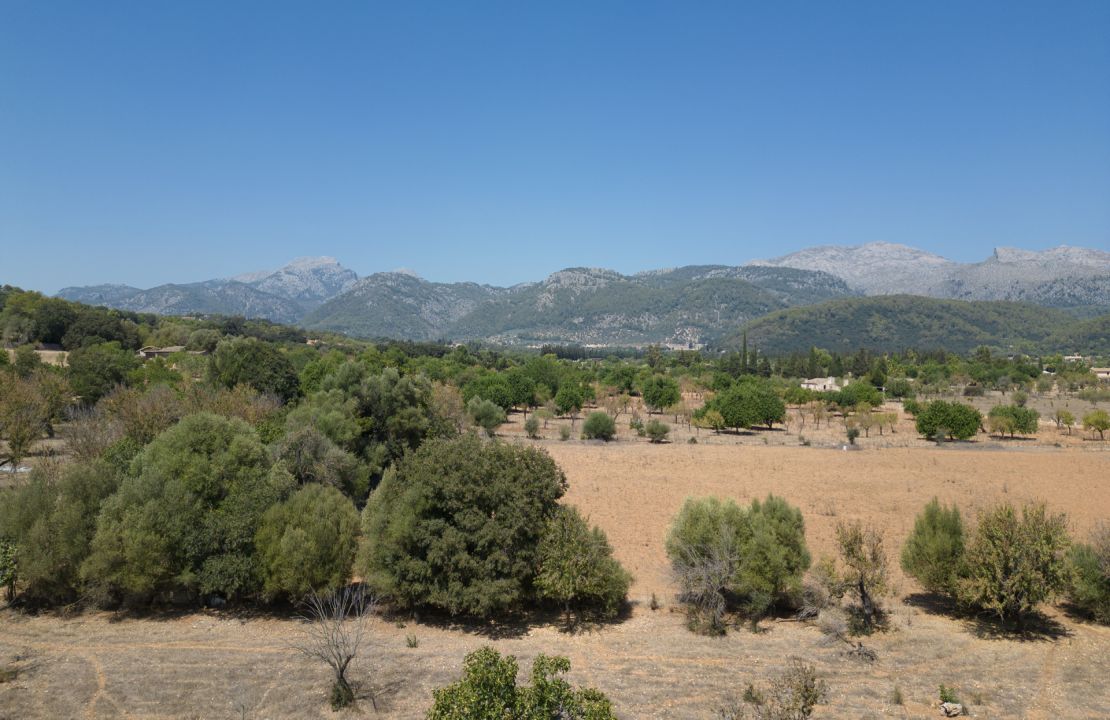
(686, 306)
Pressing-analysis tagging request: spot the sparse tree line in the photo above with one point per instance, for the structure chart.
(750, 562)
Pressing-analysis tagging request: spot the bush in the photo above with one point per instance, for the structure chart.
(532, 427)
(657, 431)
(50, 522)
(187, 517)
(488, 691)
(861, 549)
(307, 542)
(934, 550)
(599, 426)
(485, 414)
(756, 554)
(1090, 586)
(564, 432)
(456, 526)
(948, 419)
(576, 567)
(1014, 563)
(790, 696)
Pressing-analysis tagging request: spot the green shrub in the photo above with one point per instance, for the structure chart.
(934, 550)
(253, 362)
(485, 414)
(1097, 420)
(187, 517)
(50, 522)
(1013, 419)
(576, 567)
(488, 691)
(793, 695)
(456, 526)
(1090, 585)
(307, 542)
(599, 426)
(948, 419)
(564, 432)
(720, 551)
(532, 427)
(1014, 563)
(657, 431)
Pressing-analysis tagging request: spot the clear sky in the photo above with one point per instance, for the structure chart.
(155, 141)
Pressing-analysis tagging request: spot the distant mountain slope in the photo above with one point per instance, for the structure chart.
(283, 295)
(1066, 277)
(399, 305)
(576, 305)
(902, 321)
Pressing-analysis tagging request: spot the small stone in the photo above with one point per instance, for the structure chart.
(952, 709)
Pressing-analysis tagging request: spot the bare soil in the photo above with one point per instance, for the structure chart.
(225, 665)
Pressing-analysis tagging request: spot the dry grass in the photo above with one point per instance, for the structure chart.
(224, 666)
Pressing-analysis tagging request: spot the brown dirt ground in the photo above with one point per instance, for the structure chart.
(222, 665)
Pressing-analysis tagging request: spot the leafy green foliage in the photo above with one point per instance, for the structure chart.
(95, 369)
(569, 398)
(532, 427)
(933, 552)
(250, 361)
(865, 563)
(1013, 419)
(493, 387)
(488, 691)
(311, 457)
(599, 426)
(485, 414)
(660, 391)
(307, 542)
(1090, 586)
(951, 419)
(457, 525)
(50, 522)
(745, 404)
(1097, 420)
(1014, 562)
(576, 567)
(657, 430)
(24, 415)
(185, 520)
(757, 554)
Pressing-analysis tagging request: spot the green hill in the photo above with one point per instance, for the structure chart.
(895, 322)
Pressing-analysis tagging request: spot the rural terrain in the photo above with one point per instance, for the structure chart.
(243, 664)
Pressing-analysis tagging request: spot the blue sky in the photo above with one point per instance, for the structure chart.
(150, 142)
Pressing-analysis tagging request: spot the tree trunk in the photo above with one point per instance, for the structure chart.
(867, 604)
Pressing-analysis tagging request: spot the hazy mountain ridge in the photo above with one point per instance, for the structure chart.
(686, 305)
(1063, 276)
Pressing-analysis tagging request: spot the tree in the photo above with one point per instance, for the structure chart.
(253, 362)
(949, 419)
(485, 414)
(50, 522)
(334, 631)
(24, 416)
(488, 691)
(1065, 418)
(1090, 587)
(456, 526)
(861, 549)
(934, 550)
(532, 427)
(569, 399)
(1014, 562)
(1013, 419)
(493, 387)
(599, 425)
(1097, 420)
(660, 391)
(310, 456)
(576, 567)
(26, 360)
(185, 519)
(307, 543)
(96, 369)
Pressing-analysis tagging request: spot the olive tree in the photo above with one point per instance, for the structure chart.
(576, 567)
